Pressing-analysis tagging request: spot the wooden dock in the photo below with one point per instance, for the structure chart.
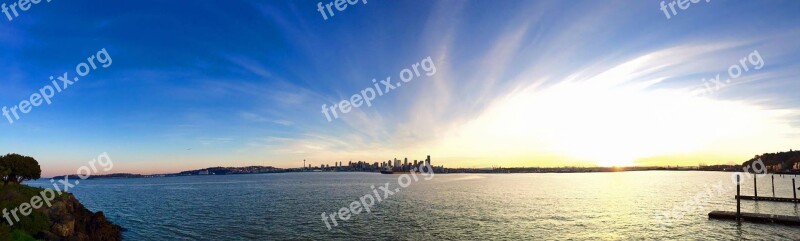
(770, 199)
(756, 217)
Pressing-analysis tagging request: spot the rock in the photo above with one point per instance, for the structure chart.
(47, 235)
(63, 229)
(72, 221)
(65, 220)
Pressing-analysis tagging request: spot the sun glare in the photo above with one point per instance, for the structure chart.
(610, 126)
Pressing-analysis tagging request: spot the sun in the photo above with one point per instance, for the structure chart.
(608, 126)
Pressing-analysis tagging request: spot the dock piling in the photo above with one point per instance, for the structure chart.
(794, 189)
(738, 201)
(755, 185)
(773, 185)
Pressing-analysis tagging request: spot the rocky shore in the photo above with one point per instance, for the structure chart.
(66, 219)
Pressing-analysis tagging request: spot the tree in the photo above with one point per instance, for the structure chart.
(18, 168)
(4, 172)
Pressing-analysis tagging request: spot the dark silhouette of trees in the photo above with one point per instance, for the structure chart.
(786, 160)
(3, 173)
(15, 168)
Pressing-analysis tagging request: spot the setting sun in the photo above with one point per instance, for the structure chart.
(615, 119)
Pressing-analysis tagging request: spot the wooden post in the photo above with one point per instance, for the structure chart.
(738, 201)
(794, 190)
(755, 184)
(773, 185)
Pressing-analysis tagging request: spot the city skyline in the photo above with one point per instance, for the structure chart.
(508, 84)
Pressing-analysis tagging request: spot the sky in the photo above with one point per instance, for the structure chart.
(194, 84)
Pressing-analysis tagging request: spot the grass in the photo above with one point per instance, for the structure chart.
(11, 196)
(19, 235)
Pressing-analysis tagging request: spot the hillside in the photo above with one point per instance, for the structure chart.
(783, 162)
(66, 219)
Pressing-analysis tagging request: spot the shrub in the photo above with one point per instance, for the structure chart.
(18, 168)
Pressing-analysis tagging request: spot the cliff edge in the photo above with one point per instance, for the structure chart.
(65, 219)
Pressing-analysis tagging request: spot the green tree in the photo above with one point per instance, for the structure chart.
(4, 172)
(18, 168)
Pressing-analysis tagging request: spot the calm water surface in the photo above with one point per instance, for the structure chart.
(606, 206)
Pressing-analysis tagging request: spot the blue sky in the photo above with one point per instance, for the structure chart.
(232, 83)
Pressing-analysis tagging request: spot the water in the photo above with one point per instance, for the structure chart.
(607, 206)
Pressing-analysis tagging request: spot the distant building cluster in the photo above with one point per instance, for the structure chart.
(396, 165)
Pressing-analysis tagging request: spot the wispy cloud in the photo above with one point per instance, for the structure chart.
(517, 82)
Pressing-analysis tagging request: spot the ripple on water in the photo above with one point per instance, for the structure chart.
(452, 207)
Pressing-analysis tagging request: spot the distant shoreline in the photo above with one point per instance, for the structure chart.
(776, 163)
(731, 168)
